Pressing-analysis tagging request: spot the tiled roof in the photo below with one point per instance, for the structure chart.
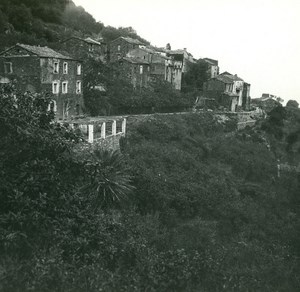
(43, 52)
(156, 54)
(211, 61)
(86, 40)
(149, 50)
(135, 61)
(161, 50)
(232, 77)
(224, 78)
(175, 52)
(179, 52)
(91, 41)
(132, 41)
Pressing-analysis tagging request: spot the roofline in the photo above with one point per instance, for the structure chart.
(223, 81)
(134, 61)
(124, 38)
(19, 45)
(1, 53)
(80, 39)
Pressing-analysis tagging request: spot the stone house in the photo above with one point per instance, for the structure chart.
(43, 70)
(80, 48)
(230, 91)
(158, 62)
(213, 67)
(180, 63)
(119, 47)
(137, 70)
(266, 102)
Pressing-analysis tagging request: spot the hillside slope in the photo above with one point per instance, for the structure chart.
(189, 205)
(48, 22)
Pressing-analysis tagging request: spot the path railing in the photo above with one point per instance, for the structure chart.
(97, 131)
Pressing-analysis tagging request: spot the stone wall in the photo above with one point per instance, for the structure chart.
(124, 46)
(110, 142)
(105, 133)
(25, 72)
(80, 49)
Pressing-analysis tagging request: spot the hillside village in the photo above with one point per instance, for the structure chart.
(61, 72)
(202, 193)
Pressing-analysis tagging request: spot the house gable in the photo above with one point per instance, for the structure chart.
(17, 51)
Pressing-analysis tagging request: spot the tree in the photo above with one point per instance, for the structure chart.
(77, 18)
(292, 104)
(20, 17)
(195, 77)
(3, 22)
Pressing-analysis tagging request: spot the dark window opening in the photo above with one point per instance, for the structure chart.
(8, 67)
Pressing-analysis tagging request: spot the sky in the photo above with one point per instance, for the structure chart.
(259, 40)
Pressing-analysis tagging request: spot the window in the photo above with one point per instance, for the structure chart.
(55, 87)
(55, 67)
(52, 106)
(141, 69)
(65, 68)
(91, 48)
(8, 67)
(64, 88)
(119, 48)
(77, 108)
(78, 69)
(78, 87)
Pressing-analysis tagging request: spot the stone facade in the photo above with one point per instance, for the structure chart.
(40, 69)
(180, 65)
(119, 47)
(82, 48)
(246, 96)
(229, 91)
(137, 70)
(212, 68)
(158, 62)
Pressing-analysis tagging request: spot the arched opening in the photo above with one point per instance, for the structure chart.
(52, 106)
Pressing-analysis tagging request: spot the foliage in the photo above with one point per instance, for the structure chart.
(107, 183)
(218, 196)
(207, 213)
(275, 121)
(49, 191)
(80, 20)
(292, 131)
(190, 204)
(119, 97)
(292, 103)
(110, 33)
(193, 80)
(47, 22)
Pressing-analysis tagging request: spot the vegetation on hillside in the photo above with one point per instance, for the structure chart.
(47, 22)
(119, 97)
(188, 206)
(194, 79)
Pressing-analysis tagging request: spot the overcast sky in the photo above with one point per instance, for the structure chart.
(257, 39)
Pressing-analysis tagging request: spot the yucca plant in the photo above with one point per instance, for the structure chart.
(108, 181)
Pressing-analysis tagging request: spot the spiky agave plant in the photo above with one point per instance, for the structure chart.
(108, 180)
